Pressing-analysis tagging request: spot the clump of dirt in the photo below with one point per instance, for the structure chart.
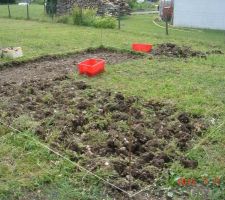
(173, 50)
(57, 67)
(187, 163)
(95, 126)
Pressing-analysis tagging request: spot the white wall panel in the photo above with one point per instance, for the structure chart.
(200, 13)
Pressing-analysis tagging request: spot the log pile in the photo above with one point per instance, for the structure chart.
(114, 7)
(110, 7)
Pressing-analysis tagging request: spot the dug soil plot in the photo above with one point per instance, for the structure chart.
(175, 51)
(97, 129)
(51, 67)
(94, 127)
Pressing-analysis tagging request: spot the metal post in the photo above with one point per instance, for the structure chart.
(167, 27)
(28, 15)
(167, 18)
(119, 19)
(52, 11)
(9, 9)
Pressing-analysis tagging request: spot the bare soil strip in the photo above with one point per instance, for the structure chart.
(50, 67)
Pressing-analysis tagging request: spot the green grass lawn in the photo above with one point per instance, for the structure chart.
(194, 85)
(36, 12)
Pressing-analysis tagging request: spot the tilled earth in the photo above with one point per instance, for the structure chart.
(50, 67)
(173, 50)
(96, 127)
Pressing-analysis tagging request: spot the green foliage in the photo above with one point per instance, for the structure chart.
(40, 2)
(105, 22)
(146, 5)
(7, 1)
(51, 7)
(87, 17)
(77, 16)
(63, 19)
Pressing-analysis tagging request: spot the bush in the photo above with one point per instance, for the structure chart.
(51, 7)
(40, 2)
(77, 16)
(146, 5)
(87, 17)
(63, 19)
(6, 1)
(105, 22)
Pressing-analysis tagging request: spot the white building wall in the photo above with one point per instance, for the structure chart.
(200, 13)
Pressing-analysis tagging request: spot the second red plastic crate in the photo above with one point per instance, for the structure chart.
(142, 47)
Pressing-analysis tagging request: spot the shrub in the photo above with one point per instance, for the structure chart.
(40, 2)
(87, 17)
(146, 5)
(63, 19)
(51, 7)
(6, 1)
(77, 16)
(105, 22)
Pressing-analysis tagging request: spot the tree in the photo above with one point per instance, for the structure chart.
(51, 7)
(7, 1)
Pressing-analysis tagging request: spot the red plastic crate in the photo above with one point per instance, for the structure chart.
(92, 66)
(142, 47)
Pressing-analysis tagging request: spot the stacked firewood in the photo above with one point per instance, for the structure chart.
(114, 7)
(110, 7)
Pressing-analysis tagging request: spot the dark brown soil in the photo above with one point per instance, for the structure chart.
(95, 127)
(173, 50)
(52, 67)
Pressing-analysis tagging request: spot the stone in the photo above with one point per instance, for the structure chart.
(12, 52)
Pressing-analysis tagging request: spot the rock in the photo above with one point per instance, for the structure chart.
(15, 52)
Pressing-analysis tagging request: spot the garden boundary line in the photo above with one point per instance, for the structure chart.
(84, 169)
(77, 165)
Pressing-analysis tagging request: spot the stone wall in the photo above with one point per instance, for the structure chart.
(112, 7)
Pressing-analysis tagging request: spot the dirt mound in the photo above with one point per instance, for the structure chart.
(50, 67)
(99, 128)
(173, 50)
